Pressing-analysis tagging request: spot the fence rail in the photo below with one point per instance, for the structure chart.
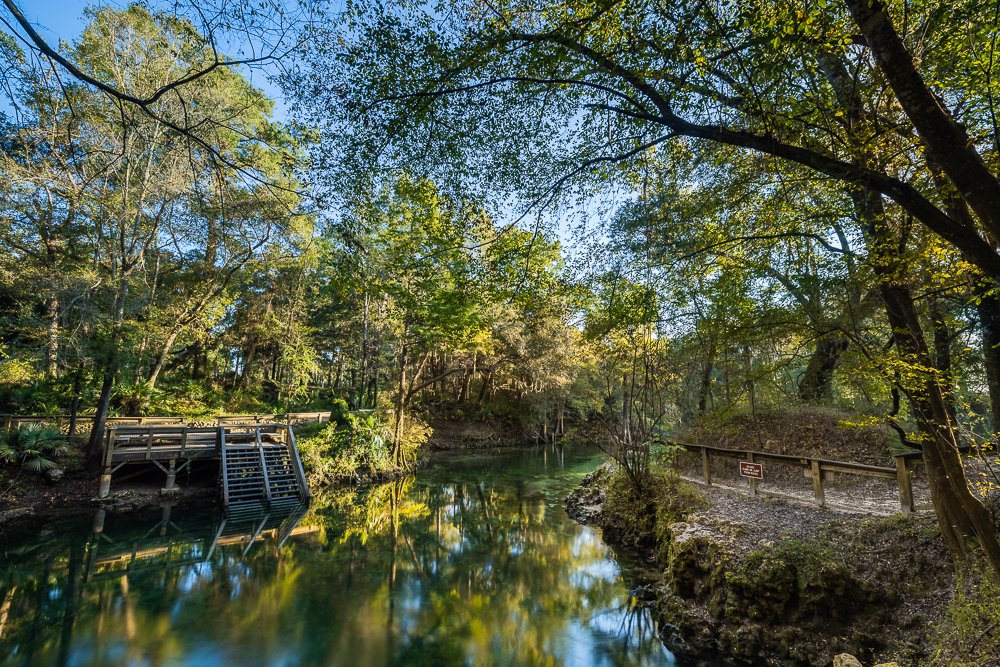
(814, 467)
(62, 422)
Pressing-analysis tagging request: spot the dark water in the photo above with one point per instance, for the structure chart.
(473, 562)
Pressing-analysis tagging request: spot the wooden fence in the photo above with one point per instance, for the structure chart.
(62, 422)
(815, 468)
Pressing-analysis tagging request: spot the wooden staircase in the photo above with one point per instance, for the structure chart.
(258, 467)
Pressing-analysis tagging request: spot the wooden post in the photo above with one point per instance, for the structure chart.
(105, 487)
(817, 475)
(905, 484)
(753, 480)
(171, 476)
(706, 466)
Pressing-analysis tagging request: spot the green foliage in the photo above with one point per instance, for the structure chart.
(354, 446)
(967, 635)
(641, 518)
(32, 447)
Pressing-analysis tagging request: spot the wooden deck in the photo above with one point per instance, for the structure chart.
(260, 460)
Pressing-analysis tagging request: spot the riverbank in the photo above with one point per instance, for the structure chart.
(76, 493)
(775, 583)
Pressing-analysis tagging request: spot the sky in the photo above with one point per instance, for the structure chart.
(55, 19)
(64, 20)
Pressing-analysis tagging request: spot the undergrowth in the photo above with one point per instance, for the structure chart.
(640, 517)
(969, 634)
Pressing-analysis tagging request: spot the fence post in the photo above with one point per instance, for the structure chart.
(817, 475)
(706, 465)
(905, 484)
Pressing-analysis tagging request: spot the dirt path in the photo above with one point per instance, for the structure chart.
(842, 504)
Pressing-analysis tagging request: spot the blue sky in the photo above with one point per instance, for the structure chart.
(64, 20)
(55, 19)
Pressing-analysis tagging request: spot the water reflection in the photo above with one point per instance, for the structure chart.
(473, 563)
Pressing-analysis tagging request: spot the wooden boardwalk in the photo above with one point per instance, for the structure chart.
(257, 461)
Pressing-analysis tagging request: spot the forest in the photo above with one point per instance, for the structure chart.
(619, 222)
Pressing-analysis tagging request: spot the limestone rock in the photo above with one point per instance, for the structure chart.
(846, 660)
(695, 551)
(585, 503)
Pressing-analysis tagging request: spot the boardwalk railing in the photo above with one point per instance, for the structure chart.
(62, 422)
(814, 467)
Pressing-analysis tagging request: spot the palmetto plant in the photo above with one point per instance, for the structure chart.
(31, 446)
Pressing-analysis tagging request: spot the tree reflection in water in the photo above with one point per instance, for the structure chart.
(473, 562)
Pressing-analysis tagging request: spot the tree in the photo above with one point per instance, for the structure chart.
(572, 92)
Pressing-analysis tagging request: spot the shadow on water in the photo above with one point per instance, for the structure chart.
(472, 562)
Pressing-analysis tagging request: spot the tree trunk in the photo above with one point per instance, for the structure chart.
(74, 406)
(942, 359)
(946, 141)
(816, 383)
(112, 359)
(989, 322)
(161, 358)
(705, 387)
(247, 364)
(486, 383)
(199, 361)
(397, 436)
(52, 346)
(960, 514)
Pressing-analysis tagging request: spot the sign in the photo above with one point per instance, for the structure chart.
(752, 470)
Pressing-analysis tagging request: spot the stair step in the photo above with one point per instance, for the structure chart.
(247, 465)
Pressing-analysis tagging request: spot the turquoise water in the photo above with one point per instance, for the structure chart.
(472, 562)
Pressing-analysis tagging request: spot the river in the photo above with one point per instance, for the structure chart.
(471, 562)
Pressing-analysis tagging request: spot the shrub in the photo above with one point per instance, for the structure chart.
(31, 446)
(350, 446)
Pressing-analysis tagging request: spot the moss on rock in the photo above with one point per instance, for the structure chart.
(871, 587)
